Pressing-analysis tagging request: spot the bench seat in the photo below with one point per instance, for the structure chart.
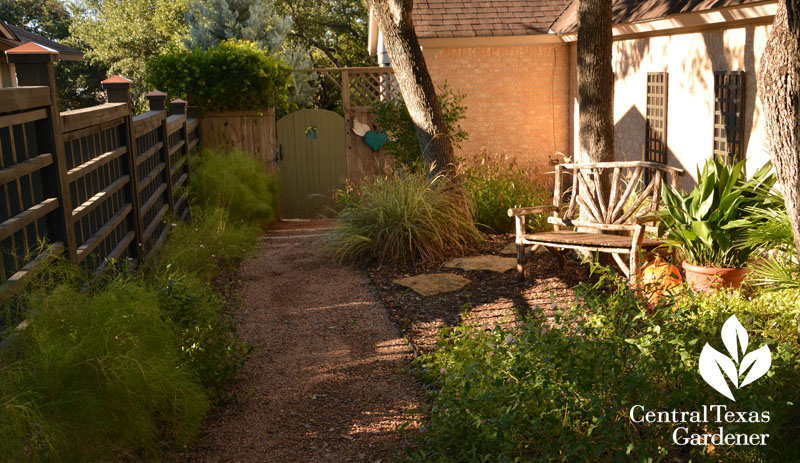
(578, 240)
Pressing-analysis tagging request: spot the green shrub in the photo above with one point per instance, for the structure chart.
(96, 376)
(400, 218)
(403, 143)
(563, 392)
(210, 243)
(231, 76)
(494, 184)
(237, 183)
(126, 367)
(207, 338)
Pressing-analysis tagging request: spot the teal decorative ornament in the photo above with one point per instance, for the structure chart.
(375, 140)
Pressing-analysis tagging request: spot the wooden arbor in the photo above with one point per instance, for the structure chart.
(628, 209)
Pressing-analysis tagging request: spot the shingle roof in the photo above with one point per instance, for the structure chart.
(484, 18)
(627, 11)
(64, 52)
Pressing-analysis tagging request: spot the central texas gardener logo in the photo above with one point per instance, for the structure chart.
(715, 366)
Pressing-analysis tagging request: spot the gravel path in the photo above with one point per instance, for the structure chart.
(325, 381)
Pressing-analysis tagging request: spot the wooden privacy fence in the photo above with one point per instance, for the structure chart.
(94, 183)
(251, 131)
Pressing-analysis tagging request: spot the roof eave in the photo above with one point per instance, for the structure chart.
(738, 14)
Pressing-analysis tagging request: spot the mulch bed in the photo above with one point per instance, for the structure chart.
(491, 298)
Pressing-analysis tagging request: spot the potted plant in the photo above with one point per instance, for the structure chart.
(707, 222)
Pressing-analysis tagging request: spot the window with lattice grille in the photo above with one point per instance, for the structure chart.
(729, 92)
(655, 145)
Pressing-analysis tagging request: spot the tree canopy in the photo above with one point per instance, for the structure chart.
(335, 31)
(213, 21)
(124, 34)
(78, 83)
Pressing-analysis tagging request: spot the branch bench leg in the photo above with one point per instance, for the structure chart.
(561, 254)
(519, 222)
(638, 238)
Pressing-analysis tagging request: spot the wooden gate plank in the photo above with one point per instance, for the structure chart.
(311, 169)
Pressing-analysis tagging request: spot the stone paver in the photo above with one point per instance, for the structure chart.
(429, 284)
(492, 263)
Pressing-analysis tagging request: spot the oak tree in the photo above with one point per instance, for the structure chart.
(595, 82)
(416, 85)
(779, 88)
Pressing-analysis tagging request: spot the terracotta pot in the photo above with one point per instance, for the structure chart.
(710, 279)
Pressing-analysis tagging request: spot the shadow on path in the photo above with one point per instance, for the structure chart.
(325, 380)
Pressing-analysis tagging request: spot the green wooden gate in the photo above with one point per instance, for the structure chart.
(311, 160)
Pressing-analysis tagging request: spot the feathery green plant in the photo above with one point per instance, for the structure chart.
(233, 180)
(494, 184)
(775, 265)
(94, 375)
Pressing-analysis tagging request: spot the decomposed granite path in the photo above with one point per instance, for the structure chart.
(325, 381)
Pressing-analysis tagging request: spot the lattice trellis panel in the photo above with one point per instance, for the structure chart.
(369, 87)
(729, 92)
(655, 148)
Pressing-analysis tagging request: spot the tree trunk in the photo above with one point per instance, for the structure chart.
(419, 93)
(595, 82)
(779, 82)
(595, 93)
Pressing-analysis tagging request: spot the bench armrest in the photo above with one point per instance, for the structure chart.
(646, 219)
(520, 211)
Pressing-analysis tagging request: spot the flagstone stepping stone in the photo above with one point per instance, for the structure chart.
(493, 263)
(429, 284)
(510, 249)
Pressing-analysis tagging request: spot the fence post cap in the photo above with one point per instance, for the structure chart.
(155, 94)
(178, 101)
(117, 80)
(31, 52)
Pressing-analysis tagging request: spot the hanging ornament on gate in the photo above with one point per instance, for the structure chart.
(374, 140)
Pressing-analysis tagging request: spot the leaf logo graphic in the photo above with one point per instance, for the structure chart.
(714, 363)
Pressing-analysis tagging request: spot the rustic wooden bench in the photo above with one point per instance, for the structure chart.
(615, 224)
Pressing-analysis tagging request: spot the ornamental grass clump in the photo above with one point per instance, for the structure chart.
(403, 217)
(494, 184)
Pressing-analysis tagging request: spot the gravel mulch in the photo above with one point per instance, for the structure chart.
(326, 381)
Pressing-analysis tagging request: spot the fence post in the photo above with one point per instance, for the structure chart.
(158, 102)
(118, 90)
(34, 67)
(179, 106)
(193, 112)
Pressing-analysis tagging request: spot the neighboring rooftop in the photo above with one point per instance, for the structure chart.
(628, 11)
(485, 18)
(12, 36)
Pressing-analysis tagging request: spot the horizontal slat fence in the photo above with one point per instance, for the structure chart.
(95, 184)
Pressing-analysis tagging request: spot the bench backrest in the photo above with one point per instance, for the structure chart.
(631, 194)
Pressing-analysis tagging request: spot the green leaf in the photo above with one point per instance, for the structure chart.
(701, 229)
(739, 223)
